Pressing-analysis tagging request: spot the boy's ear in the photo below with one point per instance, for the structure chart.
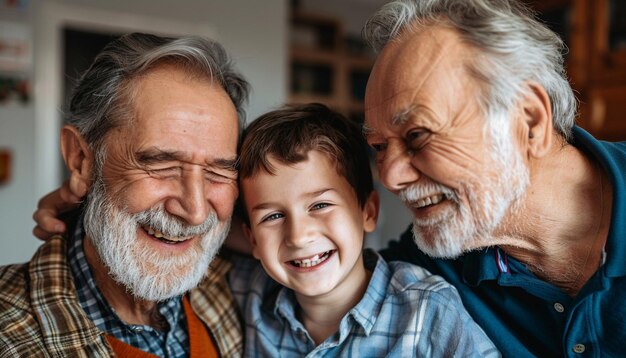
(370, 212)
(537, 120)
(248, 232)
(78, 159)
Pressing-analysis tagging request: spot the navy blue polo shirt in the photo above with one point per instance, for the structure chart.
(526, 316)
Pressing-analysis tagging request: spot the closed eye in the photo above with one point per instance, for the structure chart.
(164, 172)
(216, 177)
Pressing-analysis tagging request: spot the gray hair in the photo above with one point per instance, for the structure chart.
(514, 48)
(103, 98)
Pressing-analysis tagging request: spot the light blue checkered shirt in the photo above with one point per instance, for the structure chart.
(405, 312)
(171, 343)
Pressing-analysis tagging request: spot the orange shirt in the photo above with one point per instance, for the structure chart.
(200, 341)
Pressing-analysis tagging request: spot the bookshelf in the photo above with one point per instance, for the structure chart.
(326, 65)
(595, 32)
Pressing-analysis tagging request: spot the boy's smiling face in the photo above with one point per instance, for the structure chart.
(307, 227)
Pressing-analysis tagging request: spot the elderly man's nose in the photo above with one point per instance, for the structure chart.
(191, 203)
(396, 170)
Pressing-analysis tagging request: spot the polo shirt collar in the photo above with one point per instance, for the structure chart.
(481, 265)
(612, 157)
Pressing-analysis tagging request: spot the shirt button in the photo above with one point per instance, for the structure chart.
(559, 307)
(579, 348)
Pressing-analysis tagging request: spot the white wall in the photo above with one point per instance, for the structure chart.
(254, 33)
(17, 201)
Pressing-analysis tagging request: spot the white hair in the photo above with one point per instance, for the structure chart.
(513, 48)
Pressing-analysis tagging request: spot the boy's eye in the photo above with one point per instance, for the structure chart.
(319, 206)
(272, 217)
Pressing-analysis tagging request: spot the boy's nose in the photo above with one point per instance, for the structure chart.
(300, 233)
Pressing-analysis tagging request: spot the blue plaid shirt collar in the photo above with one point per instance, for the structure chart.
(363, 314)
(172, 343)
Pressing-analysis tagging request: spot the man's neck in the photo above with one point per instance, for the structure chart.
(561, 230)
(129, 309)
(321, 315)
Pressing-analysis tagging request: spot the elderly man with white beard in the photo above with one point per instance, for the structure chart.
(153, 132)
(472, 119)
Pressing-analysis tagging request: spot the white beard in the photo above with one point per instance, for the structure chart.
(465, 226)
(147, 273)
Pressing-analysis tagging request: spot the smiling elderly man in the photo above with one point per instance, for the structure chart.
(472, 119)
(153, 133)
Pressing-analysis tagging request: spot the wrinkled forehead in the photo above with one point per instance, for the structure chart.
(414, 64)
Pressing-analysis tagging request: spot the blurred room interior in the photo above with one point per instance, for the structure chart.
(290, 51)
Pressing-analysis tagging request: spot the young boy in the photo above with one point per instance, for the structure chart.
(307, 189)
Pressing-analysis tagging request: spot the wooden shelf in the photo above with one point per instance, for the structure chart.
(597, 72)
(321, 67)
(311, 55)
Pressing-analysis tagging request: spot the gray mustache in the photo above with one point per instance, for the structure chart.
(169, 225)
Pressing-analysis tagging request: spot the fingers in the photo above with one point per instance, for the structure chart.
(47, 223)
(44, 234)
(66, 196)
(52, 205)
(59, 201)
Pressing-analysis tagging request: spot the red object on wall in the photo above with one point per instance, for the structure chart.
(5, 166)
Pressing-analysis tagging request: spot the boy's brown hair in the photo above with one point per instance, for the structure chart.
(289, 133)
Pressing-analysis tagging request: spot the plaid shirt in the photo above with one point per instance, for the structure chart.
(171, 343)
(40, 314)
(405, 311)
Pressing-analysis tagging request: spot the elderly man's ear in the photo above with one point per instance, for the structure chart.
(537, 120)
(78, 158)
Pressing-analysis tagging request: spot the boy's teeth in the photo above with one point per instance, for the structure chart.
(313, 261)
